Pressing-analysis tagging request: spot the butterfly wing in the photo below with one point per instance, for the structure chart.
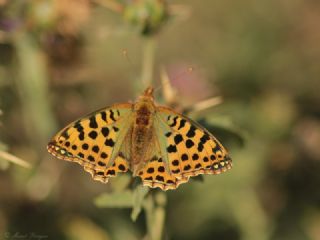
(185, 149)
(96, 141)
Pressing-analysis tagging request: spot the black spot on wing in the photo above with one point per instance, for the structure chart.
(175, 162)
(204, 138)
(109, 142)
(184, 157)
(103, 116)
(105, 131)
(168, 134)
(161, 169)
(200, 146)
(95, 148)
(182, 123)
(121, 167)
(187, 167)
(178, 139)
(102, 164)
(78, 126)
(93, 134)
(216, 148)
(111, 172)
(112, 115)
(176, 171)
(189, 143)
(195, 156)
(91, 158)
(93, 123)
(159, 178)
(174, 121)
(171, 148)
(192, 132)
(81, 136)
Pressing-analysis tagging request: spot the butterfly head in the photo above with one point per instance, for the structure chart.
(147, 95)
(148, 92)
(145, 101)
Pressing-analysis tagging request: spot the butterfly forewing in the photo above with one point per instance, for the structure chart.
(95, 141)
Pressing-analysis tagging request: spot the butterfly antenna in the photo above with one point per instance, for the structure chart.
(126, 56)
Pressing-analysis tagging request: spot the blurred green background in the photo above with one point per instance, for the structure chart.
(60, 60)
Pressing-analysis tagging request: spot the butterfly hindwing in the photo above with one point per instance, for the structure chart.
(186, 150)
(95, 141)
(154, 174)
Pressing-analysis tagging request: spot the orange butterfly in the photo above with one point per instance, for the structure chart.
(161, 146)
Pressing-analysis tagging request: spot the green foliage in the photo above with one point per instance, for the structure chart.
(125, 199)
(146, 15)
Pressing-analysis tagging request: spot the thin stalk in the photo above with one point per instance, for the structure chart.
(155, 215)
(11, 158)
(148, 61)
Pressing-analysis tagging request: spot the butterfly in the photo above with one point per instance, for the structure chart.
(162, 147)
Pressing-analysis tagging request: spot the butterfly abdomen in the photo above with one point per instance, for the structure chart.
(142, 132)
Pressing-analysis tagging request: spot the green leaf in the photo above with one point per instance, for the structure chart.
(115, 200)
(138, 197)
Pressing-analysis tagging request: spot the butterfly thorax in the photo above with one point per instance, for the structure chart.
(142, 131)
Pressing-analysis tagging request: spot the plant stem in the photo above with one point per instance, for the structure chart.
(155, 215)
(148, 61)
(11, 158)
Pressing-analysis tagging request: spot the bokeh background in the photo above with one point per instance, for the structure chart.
(60, 60)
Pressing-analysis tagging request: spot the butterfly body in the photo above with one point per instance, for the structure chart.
(142, 131)
(162, 147)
